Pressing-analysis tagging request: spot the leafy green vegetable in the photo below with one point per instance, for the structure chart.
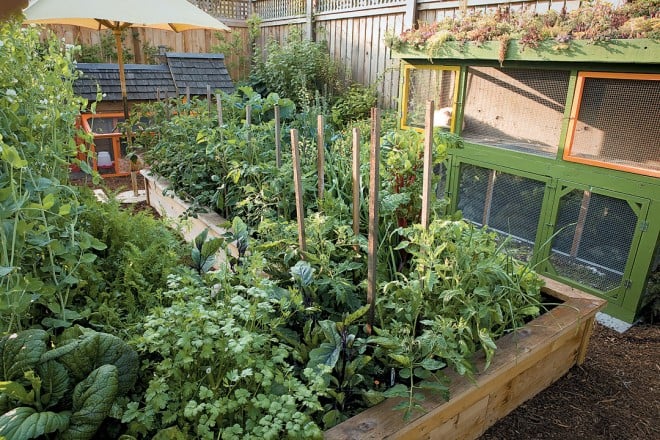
(92, 400)
(24, 423)
(20, 352)
(69, 389)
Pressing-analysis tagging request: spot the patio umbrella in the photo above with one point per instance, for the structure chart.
(117, 15)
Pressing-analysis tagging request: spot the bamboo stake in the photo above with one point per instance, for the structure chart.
(356, 181)
(297, 183)
(372, 247)
(278, 138)
(428, 165)
(320, 156)
(218, 102)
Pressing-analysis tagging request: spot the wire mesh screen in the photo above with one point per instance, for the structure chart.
(594, 234)
(423, 85)
(617, 123)
(508, 204)
(518, 109)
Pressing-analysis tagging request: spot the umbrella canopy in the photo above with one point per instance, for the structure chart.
(117, 15)
(175, 15)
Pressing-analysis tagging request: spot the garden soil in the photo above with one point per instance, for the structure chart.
(613, 395)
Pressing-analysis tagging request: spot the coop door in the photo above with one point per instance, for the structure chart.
(424, 83)
(507, 203)
(516, 109)
(595, 238)
(614, 122)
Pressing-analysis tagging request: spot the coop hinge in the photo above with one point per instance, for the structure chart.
(627, 284)
(644, 225)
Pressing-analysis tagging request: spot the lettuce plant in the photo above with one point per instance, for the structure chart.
(66, 391)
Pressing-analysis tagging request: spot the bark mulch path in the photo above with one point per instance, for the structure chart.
(614, 395)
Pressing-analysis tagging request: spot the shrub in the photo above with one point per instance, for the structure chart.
(297, 70)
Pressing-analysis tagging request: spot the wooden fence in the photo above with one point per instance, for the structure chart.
(354, 30)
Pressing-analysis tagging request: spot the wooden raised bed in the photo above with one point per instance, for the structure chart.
(172, 207)
(526, 362)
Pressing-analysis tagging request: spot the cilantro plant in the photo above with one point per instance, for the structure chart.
(217, 370)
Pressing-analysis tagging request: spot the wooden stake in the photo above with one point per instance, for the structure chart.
(488, 203)
(278, 138)
(248, 121)
(320, 156)
(428, 165)
(218, 103)
(187, 94)
(356, 181)
(208, 96)
(297, 183)
(581, 220)
(134, 183)
(372, 247)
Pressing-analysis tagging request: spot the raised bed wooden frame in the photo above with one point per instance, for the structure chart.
(526, 362)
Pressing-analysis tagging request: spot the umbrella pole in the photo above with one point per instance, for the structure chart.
(124, 98)
(122, 76)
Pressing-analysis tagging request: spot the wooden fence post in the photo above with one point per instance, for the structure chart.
(410, 15)
(428, 165)
(372, 246)
(309, 19)
(297, 183)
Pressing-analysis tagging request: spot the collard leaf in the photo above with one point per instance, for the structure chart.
(96, 349)
(24, 423)
(20, 352)
(92, 401)
(54, 382)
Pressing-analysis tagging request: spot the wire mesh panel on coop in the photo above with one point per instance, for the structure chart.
(516, 109)
(614, 122)
(437, 83)
(507, 203)
(594, 235)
